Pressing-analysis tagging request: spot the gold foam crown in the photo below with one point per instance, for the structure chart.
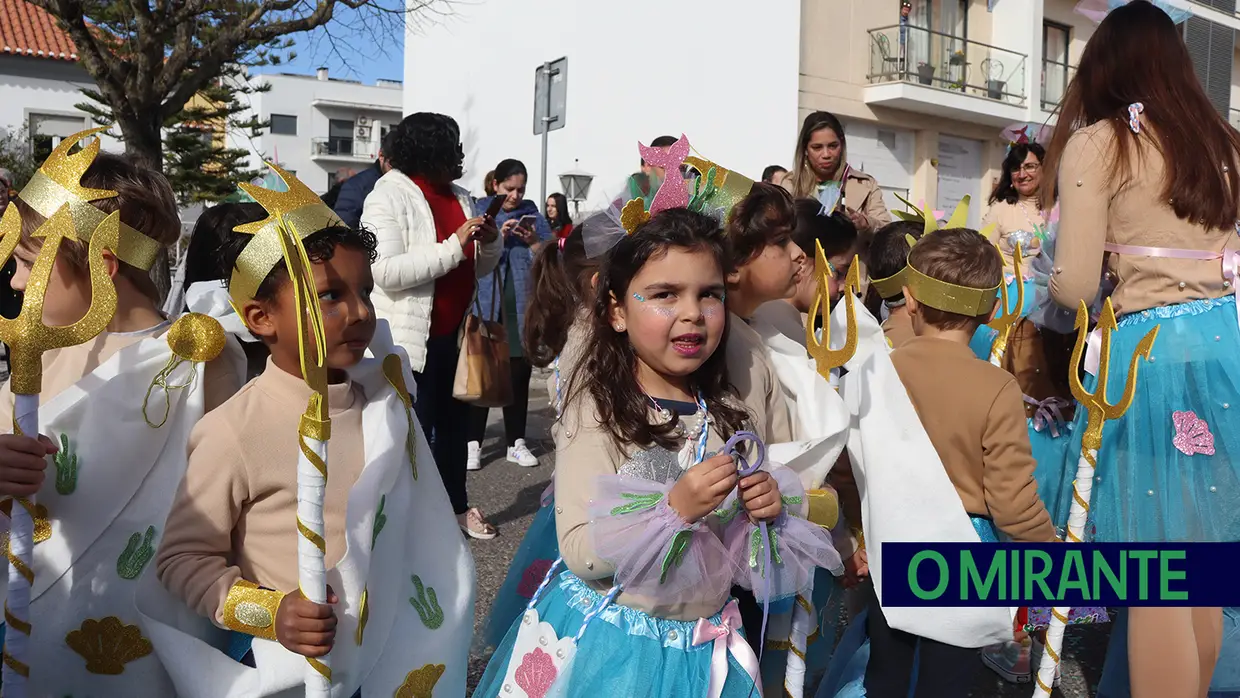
(298, 208)
(58, 183)
(941, 295)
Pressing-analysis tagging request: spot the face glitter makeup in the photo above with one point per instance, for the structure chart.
(640, 298)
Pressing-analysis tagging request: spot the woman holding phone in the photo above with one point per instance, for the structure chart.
(503, 295)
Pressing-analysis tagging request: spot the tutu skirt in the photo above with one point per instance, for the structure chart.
(1054, 470)
(623, 652)
(1169, 469)
(539, 549)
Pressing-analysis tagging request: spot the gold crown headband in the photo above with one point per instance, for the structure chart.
(936, 293)
(298, 209)
(58, 183)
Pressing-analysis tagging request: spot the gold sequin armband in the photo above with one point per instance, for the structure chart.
(824, 507)
(252, 610)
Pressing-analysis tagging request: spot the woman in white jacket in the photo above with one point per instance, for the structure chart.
(431, 253)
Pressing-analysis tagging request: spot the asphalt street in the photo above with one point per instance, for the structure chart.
(509, 496)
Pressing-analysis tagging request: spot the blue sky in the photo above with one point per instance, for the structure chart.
(354, 55)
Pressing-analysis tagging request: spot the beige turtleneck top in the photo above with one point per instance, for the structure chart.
(1009, 218)
(235, 512)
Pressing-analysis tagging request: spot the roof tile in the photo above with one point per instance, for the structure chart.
(26, 30)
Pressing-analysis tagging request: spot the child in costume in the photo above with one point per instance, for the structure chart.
(648, 527)
(1148, 191)
(556, 329)
(951, 282)
(399, 611)
(115, 411)
(888, 258)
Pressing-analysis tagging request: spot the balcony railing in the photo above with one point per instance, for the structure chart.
(341, 148)
(1055, 79)
(921, 56)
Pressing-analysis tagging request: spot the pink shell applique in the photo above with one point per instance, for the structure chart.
(536, 673)
(532, 577)
(1192, 434)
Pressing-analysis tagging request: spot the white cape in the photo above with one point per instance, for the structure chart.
(105, 523)
(402, 647)
(906, 496)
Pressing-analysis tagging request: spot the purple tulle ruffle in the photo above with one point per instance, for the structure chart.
(655, 553)
(797, 546)
(1040, 618)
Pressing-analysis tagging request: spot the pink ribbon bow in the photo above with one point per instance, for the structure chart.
(727, 638)
(1048, 413)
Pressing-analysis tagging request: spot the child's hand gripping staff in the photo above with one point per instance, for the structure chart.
(28, 338)
(1099, 412)
(313, 433)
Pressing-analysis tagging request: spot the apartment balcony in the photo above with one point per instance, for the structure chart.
(1055, 79)
(344, 149)
(929, 72)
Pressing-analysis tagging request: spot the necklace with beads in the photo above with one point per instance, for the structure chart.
(694, 450)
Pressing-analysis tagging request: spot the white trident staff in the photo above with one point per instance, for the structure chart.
(1007, 320)
(1082, 487)
(28, 338)
(313, 433)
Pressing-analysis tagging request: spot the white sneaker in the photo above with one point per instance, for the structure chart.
(473, 456)
(520, 454)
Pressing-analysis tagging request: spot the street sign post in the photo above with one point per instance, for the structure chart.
(550, 104)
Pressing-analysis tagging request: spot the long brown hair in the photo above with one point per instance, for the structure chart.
(608, 372)
(559, 286)
(1137, 55)
(804, 179)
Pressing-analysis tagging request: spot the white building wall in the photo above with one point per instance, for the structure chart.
(40, 86)
(723, 72)
(315, 102)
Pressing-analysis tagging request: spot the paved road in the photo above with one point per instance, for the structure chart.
(509, 495)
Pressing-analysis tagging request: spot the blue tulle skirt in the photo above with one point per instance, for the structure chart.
(1148, 488)
(623, 652)
(1226, 681)
(1050, 452)
(539, 549)
(984, 337)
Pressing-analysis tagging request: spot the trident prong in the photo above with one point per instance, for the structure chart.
(1007, 319)
(826, 358)
(1100, 410)
(28, 338)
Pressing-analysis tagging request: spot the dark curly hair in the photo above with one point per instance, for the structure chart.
(1005, 190)
(427, 145)
(608, 373)
(320, 247)
(202, 260)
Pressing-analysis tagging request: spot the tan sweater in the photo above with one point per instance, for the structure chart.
(755, 382)
(235, 512)
(898, 327)
(975, 417)
(1130, 211)
(63, 368)
(1009, 218)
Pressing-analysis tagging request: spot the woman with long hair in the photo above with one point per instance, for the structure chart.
(1016, 203)
(1147, 173)
(820, 166)
(557, 215)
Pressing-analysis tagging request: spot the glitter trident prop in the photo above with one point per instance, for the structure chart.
(1100, 411)
(1007, 320)
(28, 338)
(826, 358)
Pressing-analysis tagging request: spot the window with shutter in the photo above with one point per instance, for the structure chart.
(1211, 48)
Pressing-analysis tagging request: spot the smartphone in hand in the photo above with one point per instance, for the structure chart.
(528, 223)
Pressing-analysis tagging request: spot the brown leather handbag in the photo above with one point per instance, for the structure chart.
(483, 375)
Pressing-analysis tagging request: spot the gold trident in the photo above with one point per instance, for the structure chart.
(1099, 409)
(826, 358)
(1006, 320)
(26, 334)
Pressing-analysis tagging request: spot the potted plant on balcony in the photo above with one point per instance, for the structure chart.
(994, 86)
(957, 58)
(925, 73)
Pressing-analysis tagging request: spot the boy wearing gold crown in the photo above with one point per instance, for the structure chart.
(115, 413)
(399, 612)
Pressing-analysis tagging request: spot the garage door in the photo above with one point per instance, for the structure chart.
(884, 153)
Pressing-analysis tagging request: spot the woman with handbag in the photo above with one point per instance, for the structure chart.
(431, 254)
(503, 298)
